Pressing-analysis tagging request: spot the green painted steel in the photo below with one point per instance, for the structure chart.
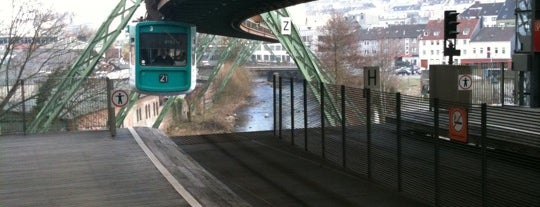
(231, 43)
(85, 64)
(244, 55)
(307, 63)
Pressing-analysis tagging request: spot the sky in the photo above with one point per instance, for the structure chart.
(85, 12)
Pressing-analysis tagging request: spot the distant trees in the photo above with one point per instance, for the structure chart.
(34, 47)
(338, 49)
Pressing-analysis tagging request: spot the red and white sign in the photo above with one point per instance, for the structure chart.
(119, 98)
(465, 82)
(457, 124)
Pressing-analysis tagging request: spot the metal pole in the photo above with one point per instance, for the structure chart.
(305, 116)
(280, 106)
(502, 84)
(483, 138)
(436, 151)
(323, 138)
(23, 107)
(343, 128)
(275, 103)
(292, 110)
(398, 129)
(368, 130)
(110, 107)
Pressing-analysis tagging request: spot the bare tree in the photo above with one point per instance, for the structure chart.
(338, 48)
(33, 48)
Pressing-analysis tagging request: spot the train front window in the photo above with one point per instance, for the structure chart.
(163, 49)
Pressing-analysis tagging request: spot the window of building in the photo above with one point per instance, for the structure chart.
(464, 42)
(474, 50)
(423, 52)
(466, 31)
(431, 42)
(481, 50)
(496, 50)
(432, 52)
(503, 50)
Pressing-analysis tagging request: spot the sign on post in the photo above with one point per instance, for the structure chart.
(286, 25)
(465, 82)
(371, 77)
(119, 98)
(457, 124)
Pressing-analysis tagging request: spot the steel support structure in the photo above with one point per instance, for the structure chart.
(84, 65)
(307, 63)
(241, 58)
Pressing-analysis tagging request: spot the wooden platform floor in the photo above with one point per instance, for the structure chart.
(80, 169)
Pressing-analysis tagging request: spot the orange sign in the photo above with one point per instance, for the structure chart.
(536, 30)
(457, 124)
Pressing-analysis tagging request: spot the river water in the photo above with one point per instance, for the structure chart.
(257, 115)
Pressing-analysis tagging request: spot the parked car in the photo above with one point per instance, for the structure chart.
(403, 71)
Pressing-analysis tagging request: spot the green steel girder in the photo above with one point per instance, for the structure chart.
(241, 59)
(307, 63)
(232, 42)
(84, 65)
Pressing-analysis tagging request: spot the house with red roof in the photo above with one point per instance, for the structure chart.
(431, 42)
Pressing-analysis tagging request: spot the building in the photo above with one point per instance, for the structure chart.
(431, 42)
(491, 45)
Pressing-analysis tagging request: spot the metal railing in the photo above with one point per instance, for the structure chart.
(404, 143)
(86, 110)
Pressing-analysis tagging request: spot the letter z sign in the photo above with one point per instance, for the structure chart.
(286, 25)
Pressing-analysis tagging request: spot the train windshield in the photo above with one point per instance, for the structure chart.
(163, 49)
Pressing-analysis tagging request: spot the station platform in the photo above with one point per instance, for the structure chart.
(144, 167)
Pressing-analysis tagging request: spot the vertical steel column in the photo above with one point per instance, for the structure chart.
(323, 138)
(305, 115)
(110, 109)
(23, 107)
(280, 106)
(343, 129)
(292, 110)
(399, 151)
(275, 103)
(483, 137)
(436, 151)
(367, 92)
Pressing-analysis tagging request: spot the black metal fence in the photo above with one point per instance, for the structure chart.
(445, 154)
(86, 110)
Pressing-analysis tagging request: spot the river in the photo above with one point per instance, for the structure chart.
(257, 115)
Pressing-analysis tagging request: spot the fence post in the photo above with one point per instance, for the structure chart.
(280, 106)
(483, 137)
(398, 129)
(111, 111)
(23, 107)
(436, 150)
(343, 128)
(368, 130)
(305, 116)
(292, 110)
(323, 138)
(502, 91)
(275, 103)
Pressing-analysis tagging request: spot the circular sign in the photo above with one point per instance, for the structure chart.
(119, 98)
(464, 82)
